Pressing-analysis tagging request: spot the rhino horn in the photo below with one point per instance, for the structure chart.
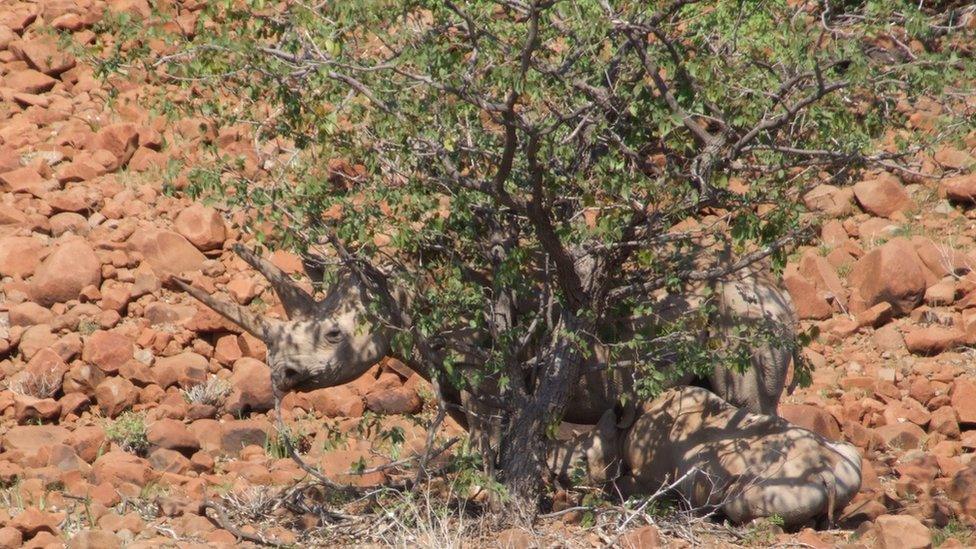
(259, 327)
(297, 302)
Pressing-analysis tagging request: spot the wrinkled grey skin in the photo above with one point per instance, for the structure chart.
(746, 465)
(334, 340)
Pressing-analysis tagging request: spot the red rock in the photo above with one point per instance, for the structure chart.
(169, 461)
(902, 436)
(235, 435)
(943, 293)
(945, 420)
(962, 489)
(645, 537)
(65, 273)
(251, 388)
(963, 401)
(83, 378)
(107, 350)
(29, 81)
(20, 255)
(29, 313)
(202, 226)
(882, 196)
(29, 439)
(10, 538)
(29, 409)
(32, 521)
(809, 304)
(121, 140)
(186, 369)
(941, 259)
(243, 289)
(875, 316)
(115, 395)
(888, 338)
(891, 274)
(933, 340)
(116, 467)
(961, 188)
(338, 401)
(955, 159)
(94, 539)
(88, 442)
(45, 56)
(145, 159)
(227, 350)
(811, 418)
(172, 435)
(74, 403)
(830, 200)
(401, 400)
(902, 532)
(167, 253)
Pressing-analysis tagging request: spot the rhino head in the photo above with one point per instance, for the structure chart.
(323, 343)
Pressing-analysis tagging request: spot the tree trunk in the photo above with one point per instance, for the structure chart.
(522, 455)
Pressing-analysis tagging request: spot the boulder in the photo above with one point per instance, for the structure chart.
(892, 274)
(961, 188)
(882, 196)
(69, 269)
(202, 226)
(902, 532)
(251, 388)
(812, 418)
(120, 140)
(166, 252)
(107, 350)
(20, 255)
(115, 395)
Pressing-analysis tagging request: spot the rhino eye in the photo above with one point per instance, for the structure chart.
(334, 335)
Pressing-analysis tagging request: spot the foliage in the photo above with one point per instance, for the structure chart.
(128, 431)
(540, 172)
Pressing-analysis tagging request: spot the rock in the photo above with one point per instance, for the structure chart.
(811, 418)
(169, 461)
(830, 200)
(29, 313)
(963, 401)
(882, 196)
(888, 338)
(32, 521)
(45, 56)
(645, 537)
(28, 409)
(94, 539)
(942, 259)
(121, 140)
(945, 420)
(89, 442)
(962, 488)
(943, 293)
(251, 388)
(401, 400)
(45, 371)
(902, 532)
(901, 436)
(107, 350)
(955, 159)
(168, 253)
(10, 538)
(933, 340)
(29, 81)
(172, 435)
(20, 255)
(235, 435)
(117, 466)
(961, 188)
(29, 439)
(874, 316)
(185, 369)
(891, 273)
(338, 401)
(115, 395)
(202, 226)
(63, 275)
(809, 304)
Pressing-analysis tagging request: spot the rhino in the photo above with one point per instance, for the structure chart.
(717, 457)
(335, 340)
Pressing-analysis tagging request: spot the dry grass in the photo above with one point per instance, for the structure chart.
(212, 392)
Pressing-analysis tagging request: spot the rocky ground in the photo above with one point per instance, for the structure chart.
(126, 406)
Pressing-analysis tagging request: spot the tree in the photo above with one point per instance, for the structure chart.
(535, 169)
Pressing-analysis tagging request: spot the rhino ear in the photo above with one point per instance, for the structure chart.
(297, 302)
(257, 326)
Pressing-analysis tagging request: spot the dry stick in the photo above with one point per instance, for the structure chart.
(224, 522)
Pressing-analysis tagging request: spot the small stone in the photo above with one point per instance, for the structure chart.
(902, 532)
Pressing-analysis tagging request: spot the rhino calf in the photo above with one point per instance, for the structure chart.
(745, 465)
